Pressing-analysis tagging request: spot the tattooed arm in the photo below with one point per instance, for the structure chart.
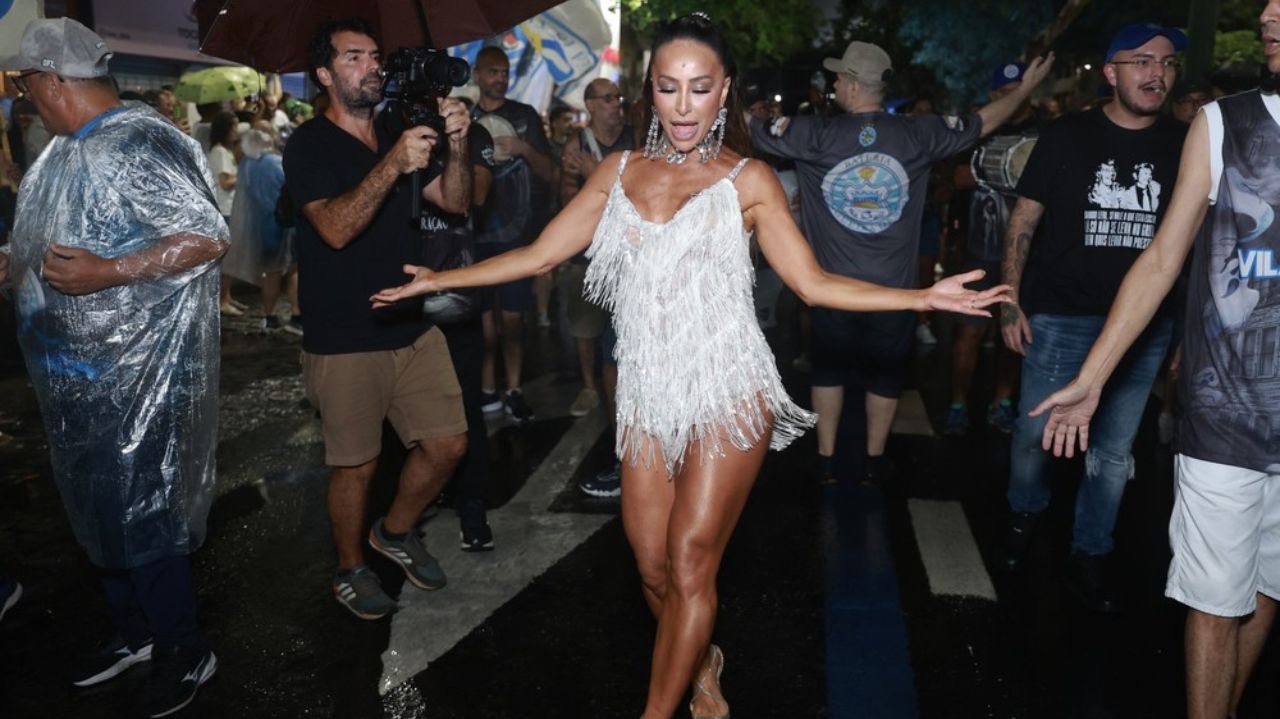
(1017, 243)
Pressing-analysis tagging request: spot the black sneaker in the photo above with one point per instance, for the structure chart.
(605, 485)
(1018, 539)
(174, 681)
(107, 663)
(826, 469)
(1087, 582)
(270, 325)
(517, 409)
(879, 471)
(477, 538)
(476, 534)
(490, 402)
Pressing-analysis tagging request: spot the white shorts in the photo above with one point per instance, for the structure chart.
(1225, 535)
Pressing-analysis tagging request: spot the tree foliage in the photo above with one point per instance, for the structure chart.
(759, 31)
(1237, 47)
(963, 43)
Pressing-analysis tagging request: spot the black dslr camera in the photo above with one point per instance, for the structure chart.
(415, 78)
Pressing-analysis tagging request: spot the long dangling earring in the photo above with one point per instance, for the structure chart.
(654, 142)
(709, 148)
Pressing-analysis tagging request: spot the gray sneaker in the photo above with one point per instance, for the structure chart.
(421, 569)
(359, 590)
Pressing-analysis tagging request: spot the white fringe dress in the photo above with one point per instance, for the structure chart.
(693, 364)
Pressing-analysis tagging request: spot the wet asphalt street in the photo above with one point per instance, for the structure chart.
(835, 602)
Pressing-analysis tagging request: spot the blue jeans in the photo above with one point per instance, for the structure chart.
(1059, 346)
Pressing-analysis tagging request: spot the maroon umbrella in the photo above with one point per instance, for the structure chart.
(272, 35)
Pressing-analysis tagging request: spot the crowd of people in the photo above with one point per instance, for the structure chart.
(645, 224)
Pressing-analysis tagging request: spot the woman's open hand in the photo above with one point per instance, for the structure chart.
(951, 295)
(422, 283)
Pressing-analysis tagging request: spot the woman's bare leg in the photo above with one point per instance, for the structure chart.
(647, 497)
(706, 500)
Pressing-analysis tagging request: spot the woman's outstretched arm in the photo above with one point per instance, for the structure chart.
(765, 209)
(568, 233)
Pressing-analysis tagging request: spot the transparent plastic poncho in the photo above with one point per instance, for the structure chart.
(126, 377)
(258, 243)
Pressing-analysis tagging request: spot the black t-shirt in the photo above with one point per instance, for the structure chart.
(323, 161)
(480, 150)
(1105, 190)
(519, 201)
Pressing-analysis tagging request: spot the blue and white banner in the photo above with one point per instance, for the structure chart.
(553, 53)
(14, 16)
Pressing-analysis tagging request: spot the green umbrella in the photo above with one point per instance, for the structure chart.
(214, 84)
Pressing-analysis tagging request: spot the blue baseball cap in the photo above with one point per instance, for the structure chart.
(1006, 74)
(1140, 33)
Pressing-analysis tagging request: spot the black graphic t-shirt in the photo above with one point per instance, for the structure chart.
(1105, 189)
(519, 202)
(435, 220)
(1231, 348)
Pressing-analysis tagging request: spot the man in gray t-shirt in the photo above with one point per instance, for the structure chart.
(857, 173)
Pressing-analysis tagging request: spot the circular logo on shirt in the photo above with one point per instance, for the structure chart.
(867, 192)
(867, 137)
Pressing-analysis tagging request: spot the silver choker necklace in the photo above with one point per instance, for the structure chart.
(706, 152)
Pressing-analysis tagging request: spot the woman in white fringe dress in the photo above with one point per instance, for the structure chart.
(699, 398)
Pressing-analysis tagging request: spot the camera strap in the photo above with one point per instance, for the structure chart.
(589, 138)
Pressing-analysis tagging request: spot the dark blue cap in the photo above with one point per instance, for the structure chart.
(1140, 33)
(1007, 73)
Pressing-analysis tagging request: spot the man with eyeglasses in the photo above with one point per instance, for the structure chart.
(1225, 526)
(115, 268)
(1088, 203)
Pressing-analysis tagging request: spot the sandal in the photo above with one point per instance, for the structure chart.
(716, 665)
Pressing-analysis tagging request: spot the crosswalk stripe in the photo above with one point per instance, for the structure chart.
(531, 540)
(948, 550)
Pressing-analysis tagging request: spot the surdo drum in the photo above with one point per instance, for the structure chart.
(999, 162)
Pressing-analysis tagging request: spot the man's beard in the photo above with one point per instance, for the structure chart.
(360, 98)
(1133, 102)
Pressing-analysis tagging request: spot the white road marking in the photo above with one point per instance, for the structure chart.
(529, 541)
(950, 554)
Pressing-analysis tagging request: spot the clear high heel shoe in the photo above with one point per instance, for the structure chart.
(700, 687)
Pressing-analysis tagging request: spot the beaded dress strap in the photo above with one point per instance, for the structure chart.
(623, 164)
(733, 174)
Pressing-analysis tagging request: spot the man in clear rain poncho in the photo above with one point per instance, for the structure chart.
(114, 265)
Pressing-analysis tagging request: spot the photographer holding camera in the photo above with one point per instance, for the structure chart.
(350, 178)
